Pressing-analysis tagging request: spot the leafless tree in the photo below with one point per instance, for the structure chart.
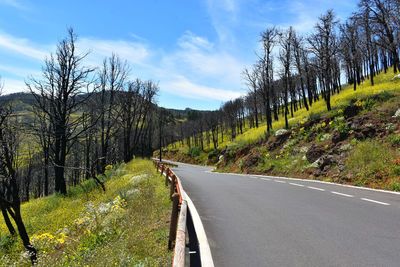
(10, 202)
(251, 78)
(112, 78)
(265, 62)
(324, 46)
(58, 95)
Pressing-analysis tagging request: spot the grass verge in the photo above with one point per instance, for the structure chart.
(125, 226)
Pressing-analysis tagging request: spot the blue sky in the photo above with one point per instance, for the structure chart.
(196, 50)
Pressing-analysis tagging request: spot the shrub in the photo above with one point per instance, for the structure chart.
(281, 132)
(353, 142)
(314, 116)
(396, 186)
(195, 151)
(391, 127)
(396, 169)
(345, 147)
(395, 140)
(384, 96)
(369, 158)
(343, 128)
(241, 163)
(369, 103)
(325, 137)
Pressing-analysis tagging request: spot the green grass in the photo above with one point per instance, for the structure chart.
(371, 163)
(126, 225)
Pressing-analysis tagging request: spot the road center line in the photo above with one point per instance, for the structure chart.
(374, 201)
(297, 184)
(283, 182)
(316, 188)
(266, 179)
(341, 194)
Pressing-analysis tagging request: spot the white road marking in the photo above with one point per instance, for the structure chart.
(316, 188)
(283, 182)
(266, 179)
(374, 201)
(297, 184)
(341, 194)
(323, 182)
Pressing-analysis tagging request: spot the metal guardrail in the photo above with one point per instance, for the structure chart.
(178, 228)
(186, 229)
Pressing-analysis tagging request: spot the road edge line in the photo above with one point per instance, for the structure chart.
(296, 179)
(204, 246)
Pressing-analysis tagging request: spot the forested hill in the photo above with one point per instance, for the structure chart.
(20, 101)
(24, 101)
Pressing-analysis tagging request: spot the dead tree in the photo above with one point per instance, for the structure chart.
(59, 94)
(10, 202)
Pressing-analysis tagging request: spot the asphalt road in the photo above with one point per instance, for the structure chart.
(266, 221)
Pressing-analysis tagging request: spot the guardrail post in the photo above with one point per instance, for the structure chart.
(172, 188)
(174, 219)
(166, 177)
(162, 169)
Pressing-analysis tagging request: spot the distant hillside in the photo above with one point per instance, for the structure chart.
(23, 102)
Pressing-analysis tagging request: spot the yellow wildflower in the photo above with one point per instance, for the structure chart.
(108, 167)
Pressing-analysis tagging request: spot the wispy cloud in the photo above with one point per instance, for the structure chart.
(183, 87)
(13, 3)
(19, 71)
(224, 16)
(199, 59)
(133, 52)
(21, 46)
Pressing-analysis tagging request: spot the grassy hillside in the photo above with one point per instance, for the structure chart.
(355, 143)
(126, 225)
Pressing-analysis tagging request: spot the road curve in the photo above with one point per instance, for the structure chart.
(267, 221)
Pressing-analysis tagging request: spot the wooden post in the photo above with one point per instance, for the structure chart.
(166, 177)
(172, 188)
(174, 219)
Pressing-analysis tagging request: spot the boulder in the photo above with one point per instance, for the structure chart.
(325, 161)
(338, 137)
(277, 141)
(314, 153)
(251, 161)
(351, 111)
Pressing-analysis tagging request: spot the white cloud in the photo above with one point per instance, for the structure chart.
(192, 42)
(199, 59)
(196, 69)
(133, 52)
(12, 86)
(22, 46)
(183, 87)
(17, 71)
(224, 16)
